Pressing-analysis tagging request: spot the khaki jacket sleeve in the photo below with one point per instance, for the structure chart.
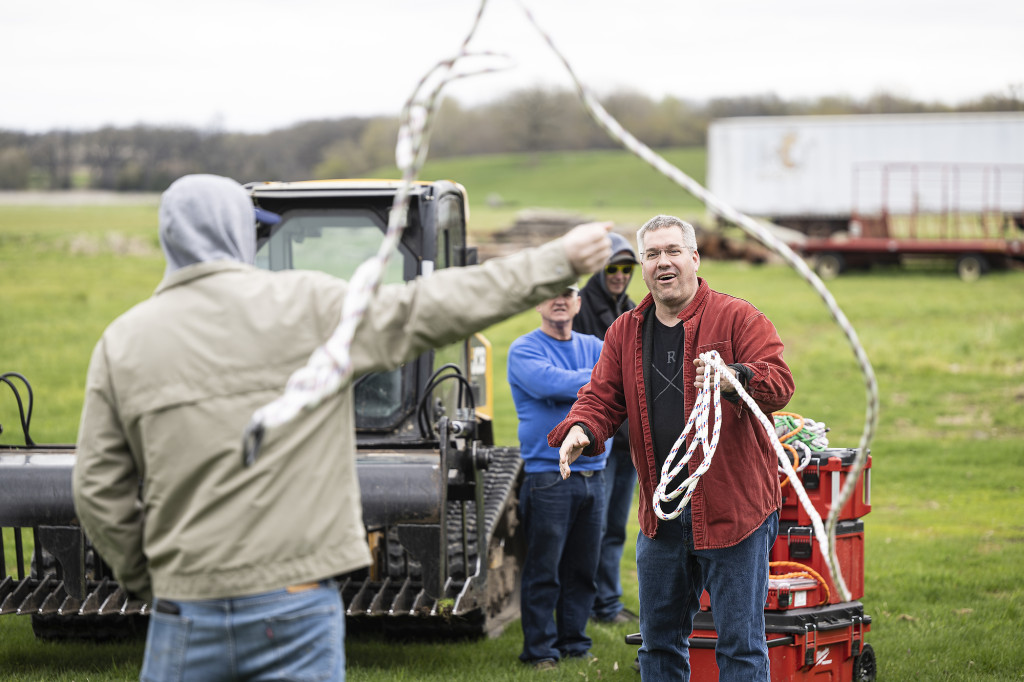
(105, 482)
(405, 320)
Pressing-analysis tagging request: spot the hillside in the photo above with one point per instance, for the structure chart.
(603, 185)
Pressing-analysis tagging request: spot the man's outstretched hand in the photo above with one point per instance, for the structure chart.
(588, 247)
(572, 447)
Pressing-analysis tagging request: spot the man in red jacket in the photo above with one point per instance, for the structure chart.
(649, 372)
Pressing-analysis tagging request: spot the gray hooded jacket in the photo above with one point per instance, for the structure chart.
(206, 218)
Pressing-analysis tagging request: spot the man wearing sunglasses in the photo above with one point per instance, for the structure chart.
(604, 298)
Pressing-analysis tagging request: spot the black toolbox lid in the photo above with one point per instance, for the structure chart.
(846, 456)
(796, 621)
(847, 527)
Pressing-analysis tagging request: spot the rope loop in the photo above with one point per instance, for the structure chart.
(710, 393)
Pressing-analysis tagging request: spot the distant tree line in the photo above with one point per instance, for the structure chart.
(149, 158)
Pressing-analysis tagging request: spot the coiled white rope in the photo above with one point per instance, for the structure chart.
(804, 460)
(714, 369)
(699, 417)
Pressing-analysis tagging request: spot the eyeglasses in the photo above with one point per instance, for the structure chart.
(624, 269)
(671, 252)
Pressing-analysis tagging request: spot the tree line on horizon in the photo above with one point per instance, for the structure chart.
(146, 158)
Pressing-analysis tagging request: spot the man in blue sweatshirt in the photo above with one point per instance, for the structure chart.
(562, 519)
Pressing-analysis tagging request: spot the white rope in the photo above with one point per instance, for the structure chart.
(805, 460)
(763, 235)
(715, 367)
(811, 434)
(330, 366)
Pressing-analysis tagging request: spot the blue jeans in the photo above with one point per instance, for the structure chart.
(620, 484)
(273, 636)
(562, 524)
(672, 575)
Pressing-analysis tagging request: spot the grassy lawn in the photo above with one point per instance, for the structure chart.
(944, 540)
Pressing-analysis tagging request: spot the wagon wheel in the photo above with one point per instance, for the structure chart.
(970, 267)
(864, 666)
(829, 265)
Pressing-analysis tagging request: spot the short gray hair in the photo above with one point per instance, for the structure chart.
(661, 221)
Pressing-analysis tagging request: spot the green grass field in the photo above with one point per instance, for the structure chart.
(944, 540)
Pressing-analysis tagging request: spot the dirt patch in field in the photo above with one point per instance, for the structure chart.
(80, 198)
(534, 227)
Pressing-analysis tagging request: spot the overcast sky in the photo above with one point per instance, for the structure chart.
(256, 65)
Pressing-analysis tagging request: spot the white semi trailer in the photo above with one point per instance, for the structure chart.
(889, 185)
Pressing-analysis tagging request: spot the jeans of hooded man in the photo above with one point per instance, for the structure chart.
(620, 484)
(672, 575)
(280, 635)
(562, 524)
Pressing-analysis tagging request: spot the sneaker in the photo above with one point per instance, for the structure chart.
(545, 664)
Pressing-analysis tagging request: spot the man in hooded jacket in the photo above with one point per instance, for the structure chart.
(604, 298)
(239, 561)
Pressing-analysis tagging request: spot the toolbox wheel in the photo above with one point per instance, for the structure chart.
(864, 666)
(829, 265)
(971, 266)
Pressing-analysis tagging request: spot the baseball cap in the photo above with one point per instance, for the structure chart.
(265, 217)
(624, 256)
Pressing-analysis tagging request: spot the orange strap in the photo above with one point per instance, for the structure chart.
(801, 571)
(794, 415)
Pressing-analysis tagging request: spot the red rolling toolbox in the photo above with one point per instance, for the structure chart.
(823, 478)
(808, 641)
(817, 644)
(798, 544)
(804, 645)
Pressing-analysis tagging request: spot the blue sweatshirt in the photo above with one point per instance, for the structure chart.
(545, 375)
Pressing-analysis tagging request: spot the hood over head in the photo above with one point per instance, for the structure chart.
(206, 218)
(600, 307)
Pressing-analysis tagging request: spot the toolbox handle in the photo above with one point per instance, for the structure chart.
(709, 642)
(810, 643)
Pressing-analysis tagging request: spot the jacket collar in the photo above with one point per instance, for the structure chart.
(196, 271)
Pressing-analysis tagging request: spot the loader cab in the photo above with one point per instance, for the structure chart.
(334, 226)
